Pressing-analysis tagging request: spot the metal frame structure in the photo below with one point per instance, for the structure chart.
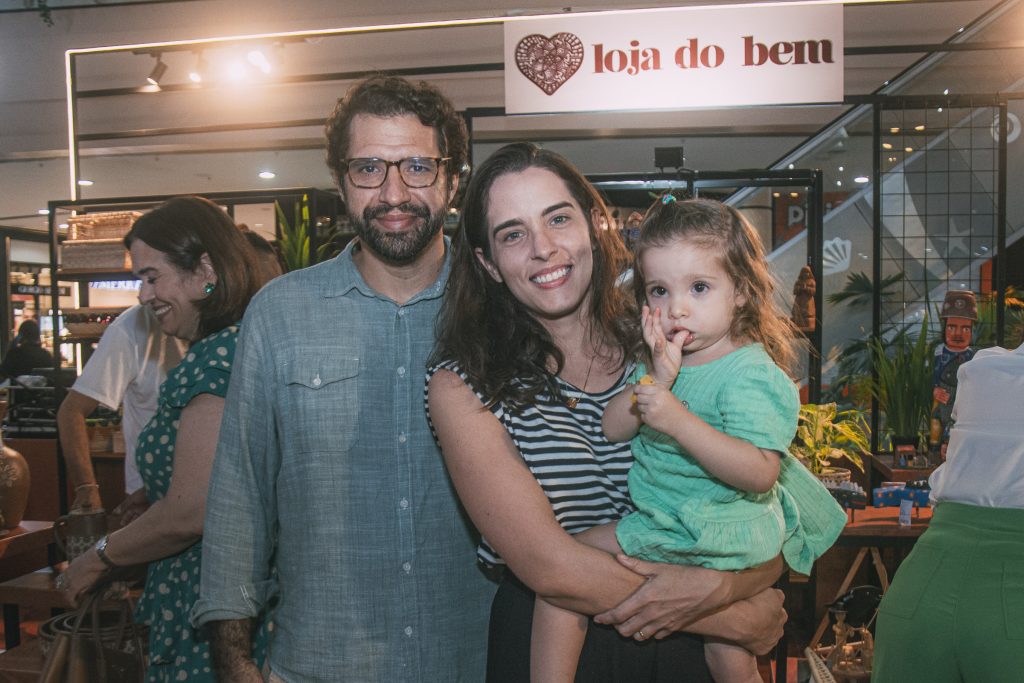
(7, 235)
(999, 281)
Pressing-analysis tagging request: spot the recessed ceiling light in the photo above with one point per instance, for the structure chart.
(841, 169)
(85, 183)
(267, 175)
(839, 183)
(919, 128)
(63, 225)
(794, 195)
(939, 110)
(257, 225)
(776, 194)
(946, 91)
(908, 149)
(861, 179)
(928, 249)
(886, 145)
(894, 130)
(791, 167)
(43, 212)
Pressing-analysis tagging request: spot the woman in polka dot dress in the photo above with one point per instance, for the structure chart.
(198, 274)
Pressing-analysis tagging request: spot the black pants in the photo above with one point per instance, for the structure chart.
(607, 657)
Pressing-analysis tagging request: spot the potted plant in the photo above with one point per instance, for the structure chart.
(903, 387)
(826, 433)
(294, 241)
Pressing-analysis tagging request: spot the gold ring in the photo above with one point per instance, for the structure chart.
(640, 635)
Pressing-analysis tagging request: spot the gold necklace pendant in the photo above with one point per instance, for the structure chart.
(572, 402)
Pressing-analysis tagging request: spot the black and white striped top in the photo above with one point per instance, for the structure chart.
(580, 471)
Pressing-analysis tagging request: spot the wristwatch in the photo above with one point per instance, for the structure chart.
(101, 550)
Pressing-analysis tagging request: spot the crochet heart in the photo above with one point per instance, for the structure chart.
(549, 62)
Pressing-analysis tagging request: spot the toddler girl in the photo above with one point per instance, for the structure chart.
(711, 415)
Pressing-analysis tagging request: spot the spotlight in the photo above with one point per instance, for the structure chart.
(267, 175)
(199, 70)
(259, 60)
(159, 69)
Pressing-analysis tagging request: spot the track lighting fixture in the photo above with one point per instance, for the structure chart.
(198, 72)
(159, 69)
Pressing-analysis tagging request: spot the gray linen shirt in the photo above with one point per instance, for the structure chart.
(326, 471)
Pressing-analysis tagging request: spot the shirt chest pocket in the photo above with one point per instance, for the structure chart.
(323, 404)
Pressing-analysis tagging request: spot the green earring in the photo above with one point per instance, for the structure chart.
(208, 288)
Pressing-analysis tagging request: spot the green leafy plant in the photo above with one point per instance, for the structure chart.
(903, 388)
(294, 241)
(859, 290)
(1013, 319)
(854, 361)
(826, 433)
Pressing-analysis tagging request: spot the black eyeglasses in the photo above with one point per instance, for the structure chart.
(371, 172)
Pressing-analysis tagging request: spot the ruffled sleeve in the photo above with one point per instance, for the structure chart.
(206, 369)
(760, 404)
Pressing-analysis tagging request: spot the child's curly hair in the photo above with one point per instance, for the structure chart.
(712, 224)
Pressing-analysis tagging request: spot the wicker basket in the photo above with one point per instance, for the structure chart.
(90, 322)
(101, 226)
(108, 254)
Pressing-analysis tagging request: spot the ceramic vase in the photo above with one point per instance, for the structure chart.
(14, 483)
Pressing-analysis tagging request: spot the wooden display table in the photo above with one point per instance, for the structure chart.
(26, 537)
(868, 530)
(883, 469)
(23, 664)
(23, 550)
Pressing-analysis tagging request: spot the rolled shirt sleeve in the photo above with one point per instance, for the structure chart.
(239, 535)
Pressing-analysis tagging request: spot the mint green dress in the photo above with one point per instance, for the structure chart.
(686, 516)
(177, 651)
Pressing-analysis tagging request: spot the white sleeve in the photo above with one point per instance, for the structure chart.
(111, 368)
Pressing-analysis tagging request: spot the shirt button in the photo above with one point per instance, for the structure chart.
(401, 312)
(316, 381)
(407, 566)
(401, 372)
(404, 503)
(401, 438)
(408, 630)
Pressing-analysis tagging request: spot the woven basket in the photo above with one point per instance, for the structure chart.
(101, 226)
(106, 254)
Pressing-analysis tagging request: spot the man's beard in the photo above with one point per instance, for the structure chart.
(398, 247)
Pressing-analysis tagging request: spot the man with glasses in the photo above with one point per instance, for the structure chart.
(328, 502)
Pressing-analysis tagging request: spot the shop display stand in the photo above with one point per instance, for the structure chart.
(322, 204)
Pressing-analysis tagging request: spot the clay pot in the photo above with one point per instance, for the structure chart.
(14, 483)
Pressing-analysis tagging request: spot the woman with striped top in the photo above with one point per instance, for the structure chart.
(533, 341)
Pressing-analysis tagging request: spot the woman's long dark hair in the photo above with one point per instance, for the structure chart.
(506, 353)
(185, 228)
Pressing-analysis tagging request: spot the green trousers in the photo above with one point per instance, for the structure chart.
(955, 610)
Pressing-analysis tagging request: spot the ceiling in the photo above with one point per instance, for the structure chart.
(33, 137)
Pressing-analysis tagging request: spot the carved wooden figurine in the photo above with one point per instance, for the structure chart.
(804, 314)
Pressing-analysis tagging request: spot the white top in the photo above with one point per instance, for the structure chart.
(985, 458)
(129, 365)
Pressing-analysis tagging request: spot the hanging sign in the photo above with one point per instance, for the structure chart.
(35, 290)
(674, 59)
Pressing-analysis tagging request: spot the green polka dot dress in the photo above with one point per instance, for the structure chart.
(178, 652)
